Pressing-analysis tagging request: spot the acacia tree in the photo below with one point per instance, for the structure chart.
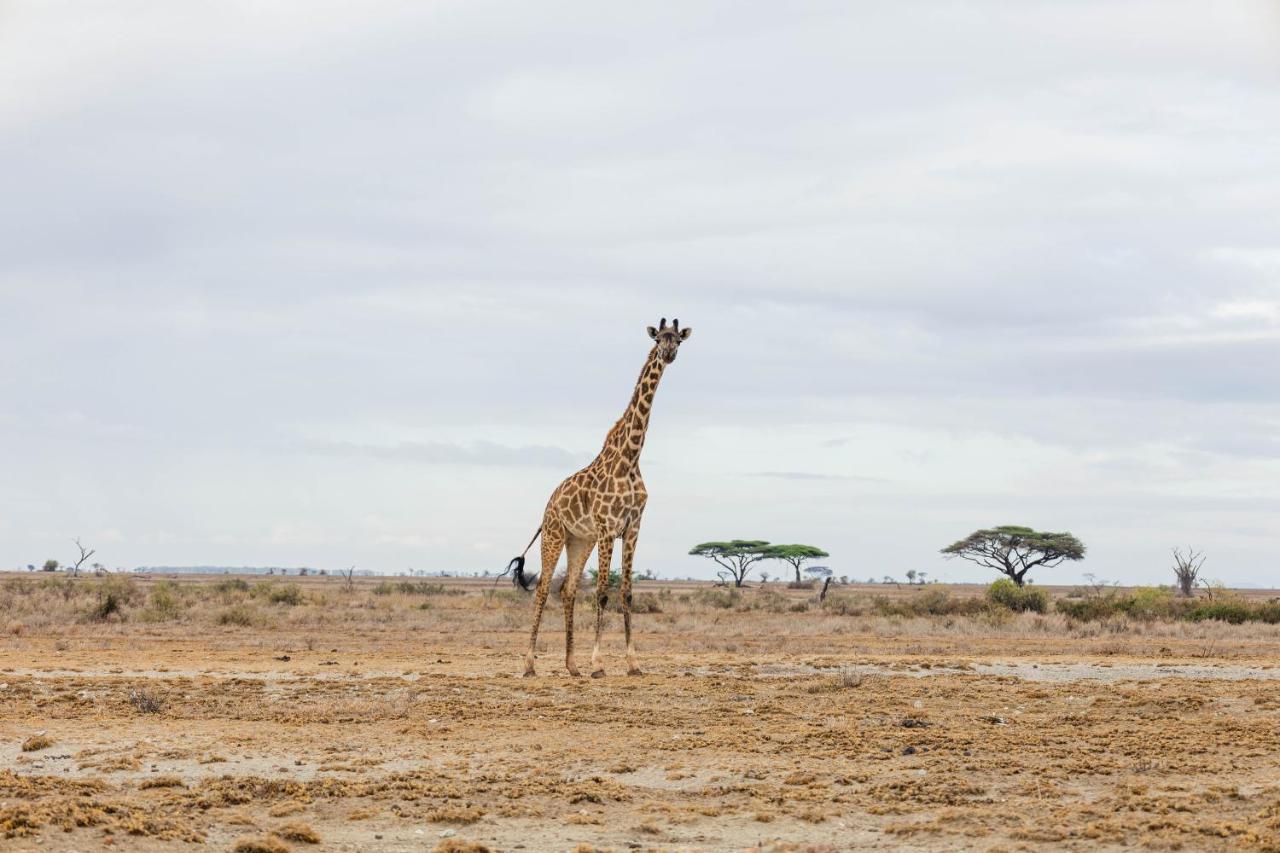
(796, 555)
(735, 556)
(1014, 551)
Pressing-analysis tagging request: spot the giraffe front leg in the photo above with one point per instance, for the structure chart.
(628, 559)
(604, 563)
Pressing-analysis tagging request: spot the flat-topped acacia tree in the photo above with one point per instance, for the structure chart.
(735, 556)
(796, 555)
(1014, 551)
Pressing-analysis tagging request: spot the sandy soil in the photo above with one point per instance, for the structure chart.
(396, 739)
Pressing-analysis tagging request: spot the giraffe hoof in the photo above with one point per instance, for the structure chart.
(528, 673)
(599, 673)
(573, 673)
(634, 671)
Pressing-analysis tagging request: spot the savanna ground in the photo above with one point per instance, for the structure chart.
(306, 713)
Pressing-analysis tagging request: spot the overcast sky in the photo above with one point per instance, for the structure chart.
(320, 283)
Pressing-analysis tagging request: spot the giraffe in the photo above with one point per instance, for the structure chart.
(596, 506)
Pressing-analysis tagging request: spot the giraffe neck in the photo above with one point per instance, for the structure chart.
(626, 439)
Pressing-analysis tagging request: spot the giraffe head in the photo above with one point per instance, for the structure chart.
(669, 339)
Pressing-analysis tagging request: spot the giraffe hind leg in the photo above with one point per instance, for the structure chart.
(604, 560)
(578, 551)
(552, 545)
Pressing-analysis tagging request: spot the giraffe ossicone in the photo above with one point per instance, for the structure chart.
(597, 506)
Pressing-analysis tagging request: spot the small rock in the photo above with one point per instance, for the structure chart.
(448, 833)
(908, 750)
(284, 657)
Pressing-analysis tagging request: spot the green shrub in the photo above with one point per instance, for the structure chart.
(1233, 610)
(1148, 603)
(114, 593)
(1089, 609)
(927, 602)
(289, 593)
(165, 603)
(407, 587)
(227, 585)
(615, 578)
(1020, 599)
(1269, 612)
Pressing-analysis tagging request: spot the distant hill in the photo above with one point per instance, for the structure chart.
(230, 570)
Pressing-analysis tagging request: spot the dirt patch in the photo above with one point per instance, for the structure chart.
(811, 732)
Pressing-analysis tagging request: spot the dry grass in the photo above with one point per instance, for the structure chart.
(298, 832)
(161, 782)
(73, 608)
(458, 845)
(371, 715)
(36, 743)
(260, 844)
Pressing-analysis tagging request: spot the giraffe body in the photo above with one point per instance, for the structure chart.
(604, 502)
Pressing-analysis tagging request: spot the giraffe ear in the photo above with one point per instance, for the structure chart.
(685, 333)
(653, 333)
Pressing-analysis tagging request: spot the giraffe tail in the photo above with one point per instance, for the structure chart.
(516, 567)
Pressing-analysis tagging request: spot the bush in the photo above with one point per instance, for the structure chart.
(165, 604)
(415, 588)
(724, 599)
(1233, 610)
(227, 585)
(646, 603)
(1089, 609)
(290, 593)
(845, 605)
(1148, 603)
(615, 578)
(927, 602)
(114, 593)
(238, 614)
(1019, 599)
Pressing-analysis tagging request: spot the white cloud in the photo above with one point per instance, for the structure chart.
(269, 272)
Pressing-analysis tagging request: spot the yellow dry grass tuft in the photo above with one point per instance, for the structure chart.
(36, 743)
(298, 832)
(161, 782)
(260, 844)
(458, 845)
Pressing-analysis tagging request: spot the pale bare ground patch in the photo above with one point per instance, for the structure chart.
(392, 716)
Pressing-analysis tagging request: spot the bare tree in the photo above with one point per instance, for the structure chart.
(349, 574)
(85, 554)
(1186, 568)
